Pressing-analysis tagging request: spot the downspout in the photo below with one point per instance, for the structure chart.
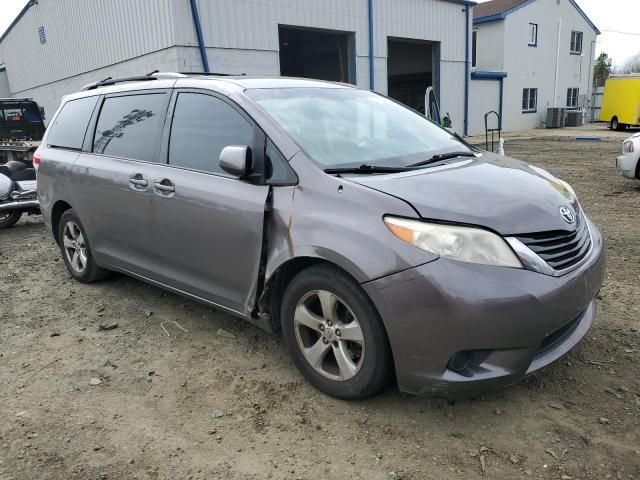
(555, 80)
(500, 103)
(466, 72)
(371, 71)
(201, 47)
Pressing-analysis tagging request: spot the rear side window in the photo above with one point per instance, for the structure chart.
(69, 127)
(202, 126)
(129, 126)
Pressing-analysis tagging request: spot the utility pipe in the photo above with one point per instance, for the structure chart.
(201, 46)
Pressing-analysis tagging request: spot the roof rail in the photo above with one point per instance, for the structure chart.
(155, 75)
(214, 74)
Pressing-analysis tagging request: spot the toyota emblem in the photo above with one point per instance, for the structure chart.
(567, 214)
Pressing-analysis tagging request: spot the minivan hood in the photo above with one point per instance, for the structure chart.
(497, 192)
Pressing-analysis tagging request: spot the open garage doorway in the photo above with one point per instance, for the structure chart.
(412, 67)
(315, 53)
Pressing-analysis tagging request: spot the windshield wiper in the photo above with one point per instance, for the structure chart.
(367, 169)
(443, 156)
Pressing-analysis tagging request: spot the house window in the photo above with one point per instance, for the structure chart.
(576, 43)
(529, 100)
(533, 34)
(572, 98)
(474, 47)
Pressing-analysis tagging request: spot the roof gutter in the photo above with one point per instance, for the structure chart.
(201, 46)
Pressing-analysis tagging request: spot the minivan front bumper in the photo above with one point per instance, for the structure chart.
(507, 322)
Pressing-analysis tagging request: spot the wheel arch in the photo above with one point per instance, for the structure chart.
(56, 214)
(280, 275)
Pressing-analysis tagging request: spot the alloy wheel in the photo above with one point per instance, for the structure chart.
(75, 247)
(329, 335)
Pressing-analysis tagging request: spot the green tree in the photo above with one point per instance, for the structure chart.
(601, 69)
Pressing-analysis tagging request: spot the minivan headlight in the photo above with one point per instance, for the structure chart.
(466, 244)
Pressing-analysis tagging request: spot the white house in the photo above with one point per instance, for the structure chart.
(528, 55)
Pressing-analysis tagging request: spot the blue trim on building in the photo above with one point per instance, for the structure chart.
(487, 75)
(371, 69)
(503, 15)
(201, 45)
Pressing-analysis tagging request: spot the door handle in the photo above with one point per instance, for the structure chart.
(164, 186)
(138, 182)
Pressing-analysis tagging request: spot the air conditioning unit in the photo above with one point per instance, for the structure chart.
(574, 118)
(556, 117)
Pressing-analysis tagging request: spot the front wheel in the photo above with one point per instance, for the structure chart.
(9, 219)
(335, 335)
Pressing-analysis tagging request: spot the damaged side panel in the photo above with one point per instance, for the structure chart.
(332, 219)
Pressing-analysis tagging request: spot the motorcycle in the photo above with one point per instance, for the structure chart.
(18, 192)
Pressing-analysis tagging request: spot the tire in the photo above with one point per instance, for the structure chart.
(352, 368)
(75, 249)
(616, 125)
(9, 219)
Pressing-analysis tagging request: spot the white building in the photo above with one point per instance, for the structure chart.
(399, 47)
(528, 55)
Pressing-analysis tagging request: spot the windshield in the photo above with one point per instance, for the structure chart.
(345, 127)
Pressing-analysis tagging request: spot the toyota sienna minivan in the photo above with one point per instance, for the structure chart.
(381, 246)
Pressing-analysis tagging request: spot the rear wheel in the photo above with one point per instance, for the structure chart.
(76, 252)
(9, 219)
(616, 125)
(335, 335)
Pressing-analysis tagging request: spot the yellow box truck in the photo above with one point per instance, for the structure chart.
(621, 102)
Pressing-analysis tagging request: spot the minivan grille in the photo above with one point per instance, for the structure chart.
(560, 249)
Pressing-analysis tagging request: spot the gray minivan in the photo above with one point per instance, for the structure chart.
(378, 244)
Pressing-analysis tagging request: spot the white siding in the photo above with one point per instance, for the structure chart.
(83, 36)
(535, 67)
(490, 46)
(4, 85)
(241, 36)
(485, 95)
(49, 96)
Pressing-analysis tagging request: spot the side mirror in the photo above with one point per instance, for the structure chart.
(236, 160)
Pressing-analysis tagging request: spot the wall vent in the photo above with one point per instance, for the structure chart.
(41, 34)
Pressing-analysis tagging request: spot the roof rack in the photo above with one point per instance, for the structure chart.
(155, 75)
(12, 99)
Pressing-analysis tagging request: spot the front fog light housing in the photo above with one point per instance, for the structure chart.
(466, 244)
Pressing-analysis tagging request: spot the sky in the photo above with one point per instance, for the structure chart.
(616, 19)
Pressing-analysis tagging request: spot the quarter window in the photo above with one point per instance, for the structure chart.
(533, 35)
(202, 126)
(529, 99)
(572, 98)
(129, 126)
(576, 42)
(70, 125)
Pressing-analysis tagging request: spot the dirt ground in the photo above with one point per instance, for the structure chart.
(151, 415)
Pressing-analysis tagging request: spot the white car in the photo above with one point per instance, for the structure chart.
(628, 163)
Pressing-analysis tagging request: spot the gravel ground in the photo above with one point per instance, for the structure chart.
(171, 362)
